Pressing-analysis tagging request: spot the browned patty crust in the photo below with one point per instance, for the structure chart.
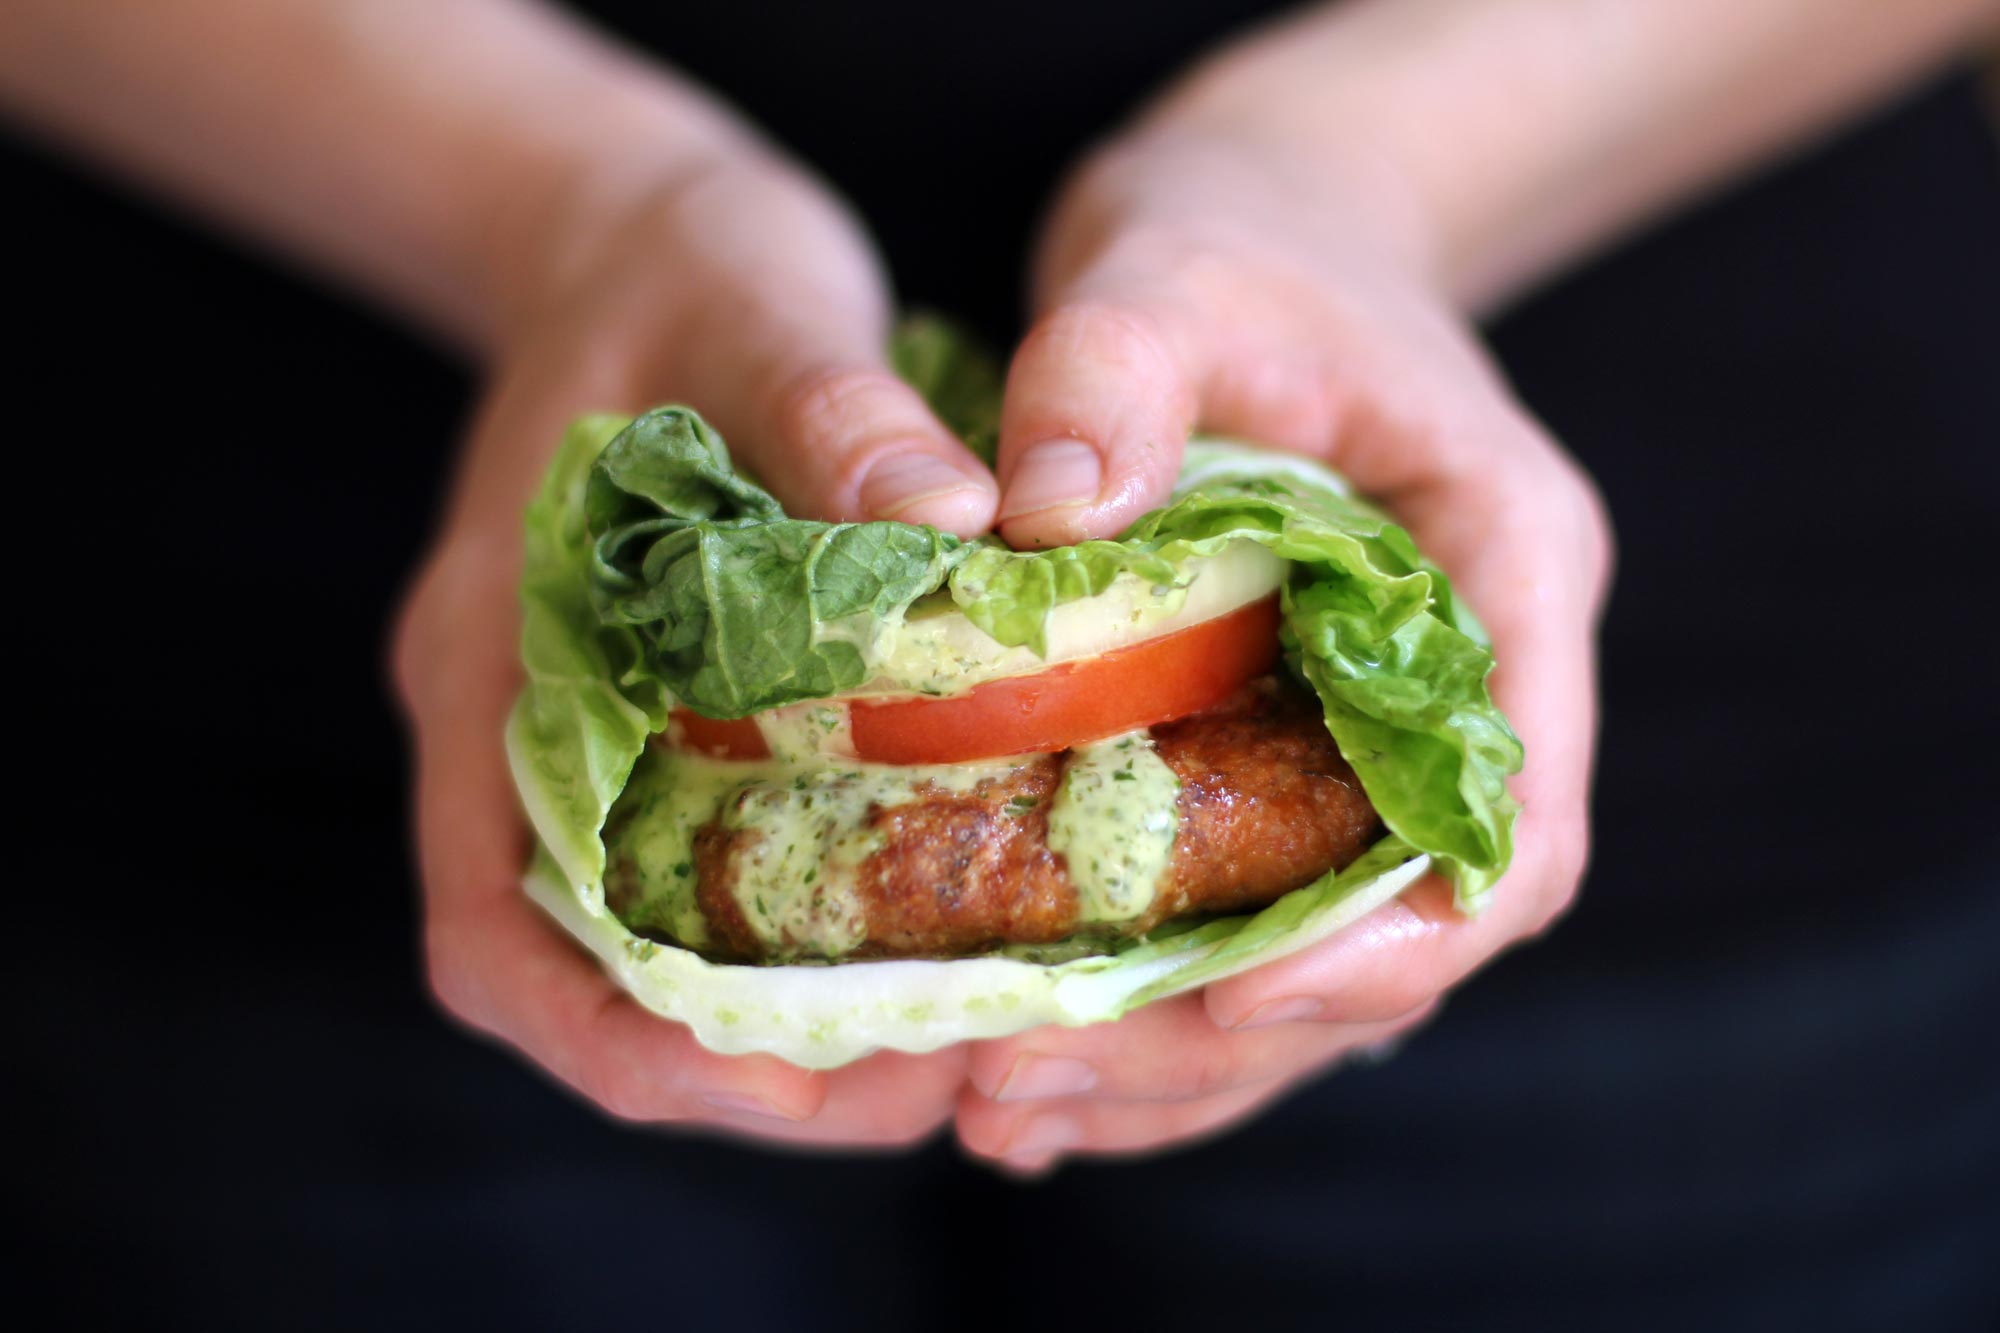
(1267, 805)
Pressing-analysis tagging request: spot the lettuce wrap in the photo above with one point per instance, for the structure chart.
(658, 575)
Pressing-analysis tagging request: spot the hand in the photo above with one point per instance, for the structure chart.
(743, 290)
(1199, 280)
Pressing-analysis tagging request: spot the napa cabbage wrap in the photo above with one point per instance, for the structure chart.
(658, 575)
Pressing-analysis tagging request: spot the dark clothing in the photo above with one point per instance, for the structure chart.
(1750, 1083)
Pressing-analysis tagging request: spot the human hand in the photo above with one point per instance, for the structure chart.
(742, 289)
(1202, 279)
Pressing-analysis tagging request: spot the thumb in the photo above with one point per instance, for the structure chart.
(1100, 400)
(776, 329)
(844, 439)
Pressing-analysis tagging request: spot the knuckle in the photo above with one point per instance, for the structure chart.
(408, 656)
(988, 1067)
(1105, 334)
(1390, 997)
(615, 1088)
(1192, 263)
(463, 573)
(405, 664)
(982, 1129)
(1581, 509)
(916, 1129)
(1599, 539)
(1295, 402)
(1568, 859)
(1572, 856)
(827, 405)
(1549, 912)
(452, 983)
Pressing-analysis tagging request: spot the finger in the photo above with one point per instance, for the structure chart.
(1155, 335)
(1167, 1051)
(886, 1100)
(1100, 399)
(848, 441)
(782, 345)
(809, 406)
(1409, 951)
(511, 974)
(1032, 1142)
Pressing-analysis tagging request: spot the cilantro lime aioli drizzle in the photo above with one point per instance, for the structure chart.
(651, 831)
(796, 881)
(807, 731)
(934, 649)
(1114, 819)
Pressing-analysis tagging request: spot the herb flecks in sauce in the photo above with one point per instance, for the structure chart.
(796, 882)
(1114, 819)
(650, 838)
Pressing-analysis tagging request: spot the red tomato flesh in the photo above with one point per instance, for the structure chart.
(1069, 704)
(718, 738)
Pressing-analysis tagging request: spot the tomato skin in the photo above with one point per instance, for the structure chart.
(1071, 703)
(718, 738)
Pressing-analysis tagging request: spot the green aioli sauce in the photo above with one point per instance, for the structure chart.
(651, 830)
(1114, 820)
(796, 881)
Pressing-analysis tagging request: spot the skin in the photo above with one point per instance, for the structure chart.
(1290, 244)
(495, 962)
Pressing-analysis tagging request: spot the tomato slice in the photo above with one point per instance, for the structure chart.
(1153, 681)
(719, 738)
(1069, 704)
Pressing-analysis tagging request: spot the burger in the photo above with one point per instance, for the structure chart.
(818, 789)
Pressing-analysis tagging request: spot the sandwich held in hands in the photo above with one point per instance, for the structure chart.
(817, 789)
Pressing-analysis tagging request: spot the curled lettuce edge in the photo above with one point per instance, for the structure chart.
(820, 1017)
(576, 731)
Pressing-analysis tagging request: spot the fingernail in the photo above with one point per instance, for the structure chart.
(748, 1105)
(1040, 1137)
(1053, 473)
(1045, 1076)
(901, 481)
(1292, 1009)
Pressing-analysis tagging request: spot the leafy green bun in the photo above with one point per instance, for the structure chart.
(658, 575)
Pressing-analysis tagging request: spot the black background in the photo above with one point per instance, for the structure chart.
(1750, 1082)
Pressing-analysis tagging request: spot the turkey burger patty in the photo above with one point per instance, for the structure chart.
(1225, 810)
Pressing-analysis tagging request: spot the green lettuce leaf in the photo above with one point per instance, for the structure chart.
(733, 601)
(823, 1016)
(739, 609)
(579, 724)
